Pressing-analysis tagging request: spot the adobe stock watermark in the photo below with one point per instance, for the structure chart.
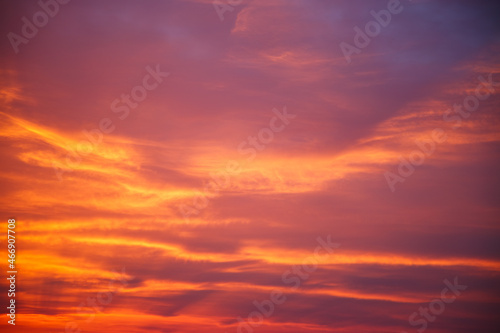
(372, 29)
(121, 106)
(220, 180)
(426, 148)
(436, 306)
(222, 6)
(293, 278)
(29, 30)
(96, 304)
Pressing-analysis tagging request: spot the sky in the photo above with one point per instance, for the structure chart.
(251, 165)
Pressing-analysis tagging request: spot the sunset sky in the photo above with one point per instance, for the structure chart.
(251, 166)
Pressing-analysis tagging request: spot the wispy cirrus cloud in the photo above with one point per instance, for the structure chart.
(322, 176)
